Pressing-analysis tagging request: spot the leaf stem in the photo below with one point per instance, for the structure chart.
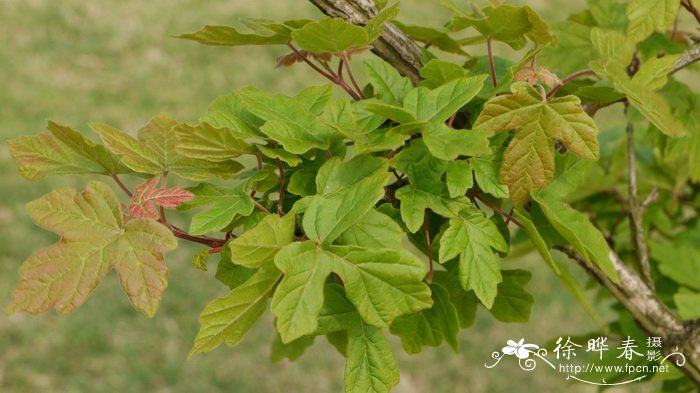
(121, 185)
(333, 78)
(498, 210)
(491, 62)
(258, 157)
(352, 77)
(568, 79)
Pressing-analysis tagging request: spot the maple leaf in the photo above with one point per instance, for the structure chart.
(148, 195)
(94, 239)
(528, 162)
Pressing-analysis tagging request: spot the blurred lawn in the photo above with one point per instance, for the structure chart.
(77, 62)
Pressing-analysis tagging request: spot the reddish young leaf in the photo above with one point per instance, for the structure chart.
(147, 195)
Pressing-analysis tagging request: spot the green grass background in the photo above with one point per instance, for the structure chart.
(77, 62)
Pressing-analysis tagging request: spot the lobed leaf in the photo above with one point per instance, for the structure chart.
(94, 240)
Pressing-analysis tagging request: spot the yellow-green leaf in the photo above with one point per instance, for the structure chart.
(93, 240)
(528, 162)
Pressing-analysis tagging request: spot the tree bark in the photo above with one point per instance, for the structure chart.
(393, 45)
(651, 314)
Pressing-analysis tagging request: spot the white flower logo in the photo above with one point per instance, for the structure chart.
(519, 349)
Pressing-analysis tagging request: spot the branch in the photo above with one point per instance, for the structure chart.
(651, 314)
(636, 211)
(393, 45)
(689, 57)
(632, 292)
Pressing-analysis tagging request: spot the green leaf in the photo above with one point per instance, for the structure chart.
(290, 159)
(472, 236)
(389, 86)
(528, 162)
(438, 72)
(370, 364)
(616, 52)
(439, 38)
(426, 190)
(465, 302)
(373, 230)
(230, 36)
(446, 143)
(258, 246)
(62, 152)
(346, 192)
(342, 116)
(229, 274)
(229, 111)
(573, 50)
(414, 201)
(330, 35)
(686, 107)
(608, 14)
(229, 318)
(679, 262)
(540, 245)
(206, 142)
(315, 98)
(647, 16)
(224, 204)
(94, 240)
(572, 225)
(459, 177)
(508, 24)
(87, 148)
(375, 26)
(486, 175)
(382, 284)
(688, 305)
(513, 303)
(302, 182)
(292, 350)
(266, 27)
(439, 104)
(155, 151)
(430, 326)
(288, 120)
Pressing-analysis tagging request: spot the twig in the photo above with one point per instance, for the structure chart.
(491, 63)
(689, 57)
(430, 252)
(261, 207)
(635, 211)
(651, 198)
(280, 210)
(568, 79)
